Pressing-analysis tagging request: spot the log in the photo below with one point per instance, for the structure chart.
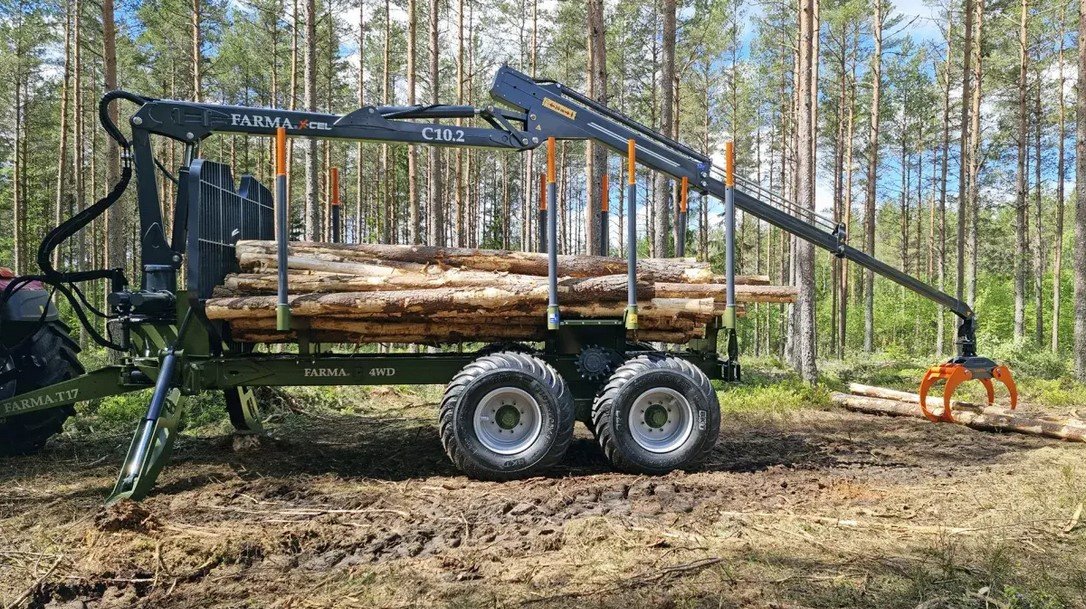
(522, 263)
(322, 282)
(604, 296)
(936, 401)
(990, 419)
(717, 291)
(447, 334)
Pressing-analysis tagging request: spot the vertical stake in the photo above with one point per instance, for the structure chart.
(680, 219)
(282, 307)
(605, 222)
(333, 180)
(553, 317)
(542, 212)
(729, 259)
(631, 237)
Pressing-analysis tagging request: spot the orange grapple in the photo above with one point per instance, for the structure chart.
(958, 370)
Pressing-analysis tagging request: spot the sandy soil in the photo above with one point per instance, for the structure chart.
(808, 509)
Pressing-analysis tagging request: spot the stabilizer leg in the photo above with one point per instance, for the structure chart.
(153, 441)
(244, 410)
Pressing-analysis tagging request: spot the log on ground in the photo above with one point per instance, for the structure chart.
(990, 419)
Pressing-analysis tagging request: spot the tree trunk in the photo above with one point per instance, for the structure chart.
(415, 233)
(197, 53)
(1038, 244)
(436, 206)
(595, 154)
(806, 92)
(940, 242)
(973, 198)
(1057, 259)
(62, 154)
(1080, 203)
(872, 178)
(1021, 229)
(963, 155)
(116, 216)
(312, 187)
(662, 202)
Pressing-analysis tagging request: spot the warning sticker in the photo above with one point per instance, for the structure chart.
(554, 106)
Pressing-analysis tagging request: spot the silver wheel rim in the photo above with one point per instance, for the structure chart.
(661, 420)
(508, 420)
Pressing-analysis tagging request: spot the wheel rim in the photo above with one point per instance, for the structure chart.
(508, 420)
(661, 420)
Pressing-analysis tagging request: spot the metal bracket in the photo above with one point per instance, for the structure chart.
(244, 410)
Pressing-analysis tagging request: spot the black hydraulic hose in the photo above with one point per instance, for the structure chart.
(64, 282)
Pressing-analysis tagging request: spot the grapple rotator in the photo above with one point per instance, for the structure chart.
(966, 366)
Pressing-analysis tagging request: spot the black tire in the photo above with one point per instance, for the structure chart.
(515, 347)
(675, 377)
(49, 357)
(480, 379)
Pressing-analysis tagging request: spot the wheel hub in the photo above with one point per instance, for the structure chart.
(656, 416)
(507, 420)
(661, 420)
(507, 416)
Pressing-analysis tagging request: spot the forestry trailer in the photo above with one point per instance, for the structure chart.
(508, 410)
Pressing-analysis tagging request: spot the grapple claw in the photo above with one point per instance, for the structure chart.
(1003, 375)
(957, 371)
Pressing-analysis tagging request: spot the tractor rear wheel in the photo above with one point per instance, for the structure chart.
(46, 358)
(506, 415)
(657, 413)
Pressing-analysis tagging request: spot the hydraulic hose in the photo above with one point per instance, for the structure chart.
(65, 230)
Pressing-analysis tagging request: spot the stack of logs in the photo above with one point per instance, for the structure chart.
(431, 295)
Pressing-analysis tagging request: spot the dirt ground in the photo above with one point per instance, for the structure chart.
(811, 508)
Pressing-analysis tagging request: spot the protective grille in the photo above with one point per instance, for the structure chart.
(220, 215)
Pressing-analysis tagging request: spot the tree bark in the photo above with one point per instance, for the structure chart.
(116, 216)
(973, 198)
(1038, 244)
(940, 241)
(662, 202)
(435, 203)
(872, 177)
(197, 53)
(595, 154)
(806, 92)
(1079, 355)
(1021, 229)
(415, 233)
(1057, 258)
(875, 400)
(252, 253)
(62, 154)
(312, 188)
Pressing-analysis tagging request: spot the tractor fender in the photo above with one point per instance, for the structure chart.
(26, 304)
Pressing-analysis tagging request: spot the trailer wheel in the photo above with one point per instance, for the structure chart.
(516, 347)
(657, 413)
(505, 416)
(46, 358)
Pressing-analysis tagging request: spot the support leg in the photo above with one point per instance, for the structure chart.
(150, 449)
(244, 410)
